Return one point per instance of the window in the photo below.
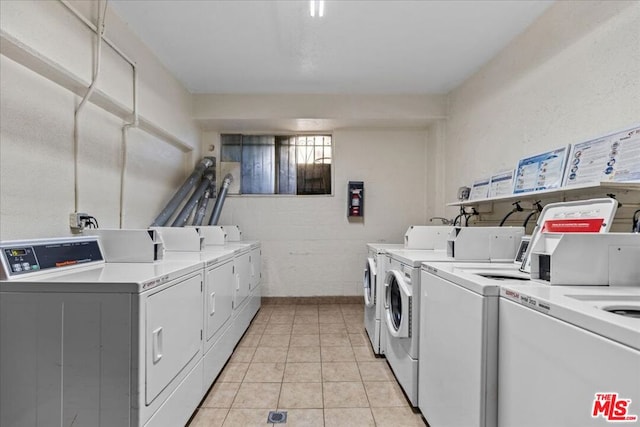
(278, 164)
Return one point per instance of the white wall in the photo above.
(36, 125)
(309, 246)
(572, 76)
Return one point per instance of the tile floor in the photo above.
(313, 361)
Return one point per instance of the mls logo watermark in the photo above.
(612, 408)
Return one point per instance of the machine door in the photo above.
(243, 278)
(173, 332)
(369, 283)
(397, 304)
(220, 283)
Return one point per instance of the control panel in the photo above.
(21, 258)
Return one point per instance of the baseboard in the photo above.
(342, 299)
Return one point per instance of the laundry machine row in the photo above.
(91, 342)
(462, 321)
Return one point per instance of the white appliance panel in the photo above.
(169, 313)
(550, 370)
(242, 266)
(218, 298)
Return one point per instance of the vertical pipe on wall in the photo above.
(125, 132)
(96, 73)
(203, 203)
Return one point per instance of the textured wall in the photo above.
(309, 247)
(36, 127)
(571, 76)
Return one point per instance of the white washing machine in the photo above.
(373, 282)
(569, 356)
(459, 342)
(402, 313)
(84, 342)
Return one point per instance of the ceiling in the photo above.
(357, 47)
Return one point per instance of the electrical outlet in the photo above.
(77, 222)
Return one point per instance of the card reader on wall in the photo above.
(130, 245)
(587, 259)
(427, 237)
(496, 244)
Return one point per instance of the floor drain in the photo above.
(277, 417)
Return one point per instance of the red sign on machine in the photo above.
(574, 225)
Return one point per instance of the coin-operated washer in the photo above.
(93, 343)
(403, 288)
(416, 237)
(459, 320)
(580, 348)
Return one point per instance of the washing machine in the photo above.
(416, 237)
(373, 283)
(84, 342)
(459, 318)
(401, 312)
(569, 356)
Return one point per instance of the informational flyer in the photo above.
(541, 172)
(501, 184)
(479, 189)
(610, 158)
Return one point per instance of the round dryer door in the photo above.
(369, 283)
(397, 304)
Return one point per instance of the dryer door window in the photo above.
(397, 304)
(369, 283)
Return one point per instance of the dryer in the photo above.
(92, 343)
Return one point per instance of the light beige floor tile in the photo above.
(364, 354)
(243, 354)
(354, 328)
(303, 372)
(354, 318)
(257, 328)
(377, 370)
(270, 354)
(221, 395)
(329, 307)
(274, 340)
(301, 395)
(339, 339)
(385, 394)
(257, 396)
(358, 339)
(261, 317)
(264, 373)
(307, 309)
(247, 418)
(312, 340)
(303, 417)
(305, 329)
(233, 372)
(332, 328)
(337, 354)
(305, 319)
(340, 371)
(400, 417)
(284, 310)
(278, 328)
(328, 317)
(348, 417)
(352, 308)
(303, 354)
(280, 318)
(250, 340)
(209, 417)
(344, 395)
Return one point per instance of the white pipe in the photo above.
(92, 87)
(125, 131)
(93, 28)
